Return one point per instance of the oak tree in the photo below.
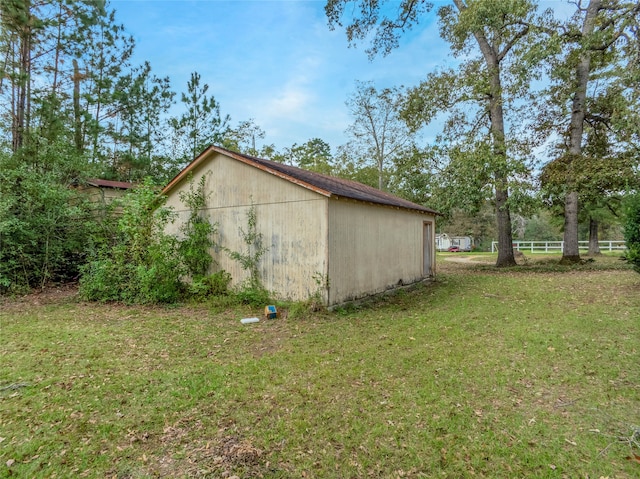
(598, 53)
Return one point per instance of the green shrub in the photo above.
(216, 284)
(252, 293)
(45, 225)
(159, 280)
(97, 281)
(144, 264)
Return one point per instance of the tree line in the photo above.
(539, 117)
(527, 84)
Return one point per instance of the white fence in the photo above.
(558, 246)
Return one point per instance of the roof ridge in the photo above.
(321, 183)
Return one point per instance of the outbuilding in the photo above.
(329, 236)
(104, 191)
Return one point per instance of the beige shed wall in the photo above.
(374, 248)
(292, 220)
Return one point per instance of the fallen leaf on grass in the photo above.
(634, 458)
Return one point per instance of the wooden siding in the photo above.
(373, 248)
(293, 221)
(102, 195)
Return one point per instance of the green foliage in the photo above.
(632, 231)
(351, 166)
(201, 124)
(540, 227)
(213, 285)
(378, 135)
(197, 230)
(485, 145)
(318, 298)
(414, 177)
(243, 137)
(252, 293)
(255, 249)
(478, 223)
(144, 265)
(45, 225)
(383, 31)
(590, 106)
(314, 303)
(314, 155)
(141, 100)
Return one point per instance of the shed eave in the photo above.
(384, 205)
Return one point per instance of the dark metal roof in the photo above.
(323, 184)
(123, 185)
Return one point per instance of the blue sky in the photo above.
(275, 61)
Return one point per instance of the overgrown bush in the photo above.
(632, 231)
(216, 284)
(252, 293)
(45, 225)
(143, 265)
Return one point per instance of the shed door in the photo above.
(427, 249)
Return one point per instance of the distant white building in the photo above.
(444, 242)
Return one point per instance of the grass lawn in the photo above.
(530, 372)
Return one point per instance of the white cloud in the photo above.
(290, 102)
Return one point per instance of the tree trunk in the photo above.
(505, 237)
(56, 61)
(99, 82)
(77, 113)
(503, 214)
(594, 246)
(20, 118)
(571, 253)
